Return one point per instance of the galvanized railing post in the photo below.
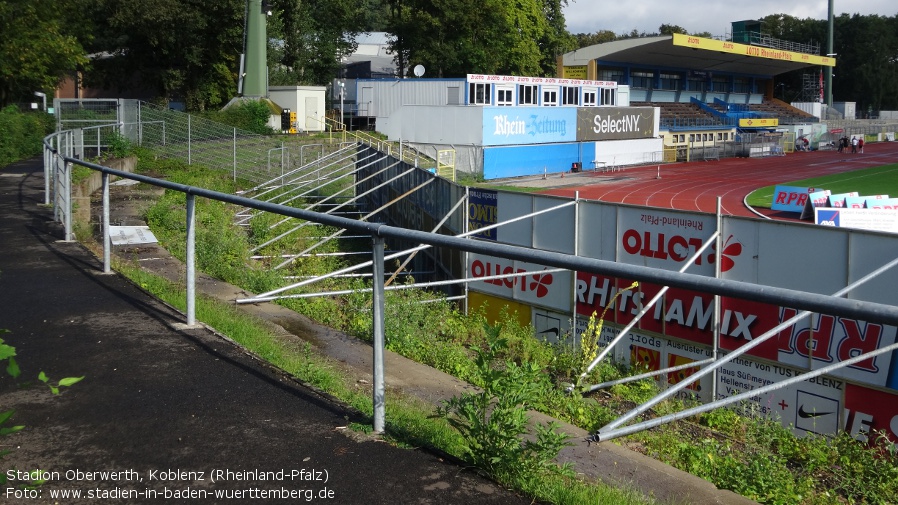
(378, 327)
(191, 259)
(189, 146)
(107, 240)
(67, 181)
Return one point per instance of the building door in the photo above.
(314, 121)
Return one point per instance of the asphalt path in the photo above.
(170, 412)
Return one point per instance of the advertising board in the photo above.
(790, 198)
(503, 126)
(615, 123)
(859, 218)
(482, 211)
(531, 285)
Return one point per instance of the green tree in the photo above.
(666, 29)
(37, 50)
(556, 39)
(591, 39)
(867, 61)
(457, 37)
(179, 49)
(312, 37)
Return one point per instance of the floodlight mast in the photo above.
(828, 71)
(255, 79)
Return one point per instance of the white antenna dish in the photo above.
(419, 70)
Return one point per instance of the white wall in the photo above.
(628, 152)
(307, 101)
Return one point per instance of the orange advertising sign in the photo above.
(753, 51)
(757, 122)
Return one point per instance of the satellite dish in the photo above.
(419, 70)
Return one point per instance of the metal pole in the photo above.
(235, 154)
(107, 240)
(48, 159)
(189, 151)
(466, 228)
(378, 328)
(828, 76)
(715, 350)
(67, 181)
(191, 259)
(139, 125)
(574, 272)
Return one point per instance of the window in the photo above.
(479, 93)
(696, 84)
(589, 97)
(607, 96)
(721, 84)
(611, 74)
(505, 96)
(641, 79)
(670, 81)
(570, 95)
(452, 94)
(550, 97)
(528, 94)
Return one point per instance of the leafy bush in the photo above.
(250, 115)
(494, 421)
(21, 135)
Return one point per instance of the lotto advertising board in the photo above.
(665, 239)
(530, 284)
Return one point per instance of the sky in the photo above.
(713, 16)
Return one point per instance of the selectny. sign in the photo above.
(615, 123)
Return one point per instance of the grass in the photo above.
(869, 181)
(410, 422)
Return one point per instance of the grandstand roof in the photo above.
(695, 53)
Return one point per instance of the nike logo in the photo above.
(805, 414)
(553, 331)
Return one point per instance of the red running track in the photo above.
(695, 186)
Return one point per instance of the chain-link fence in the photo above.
(98, 125)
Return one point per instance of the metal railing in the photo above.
(56, 149)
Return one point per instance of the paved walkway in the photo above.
(160, 403)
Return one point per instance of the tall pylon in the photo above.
(255, 71)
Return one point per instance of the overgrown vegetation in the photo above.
(249, 115)
(21, 135)
(750, 455)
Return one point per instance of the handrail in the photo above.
(865, 311)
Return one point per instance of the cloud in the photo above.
(712, 16)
